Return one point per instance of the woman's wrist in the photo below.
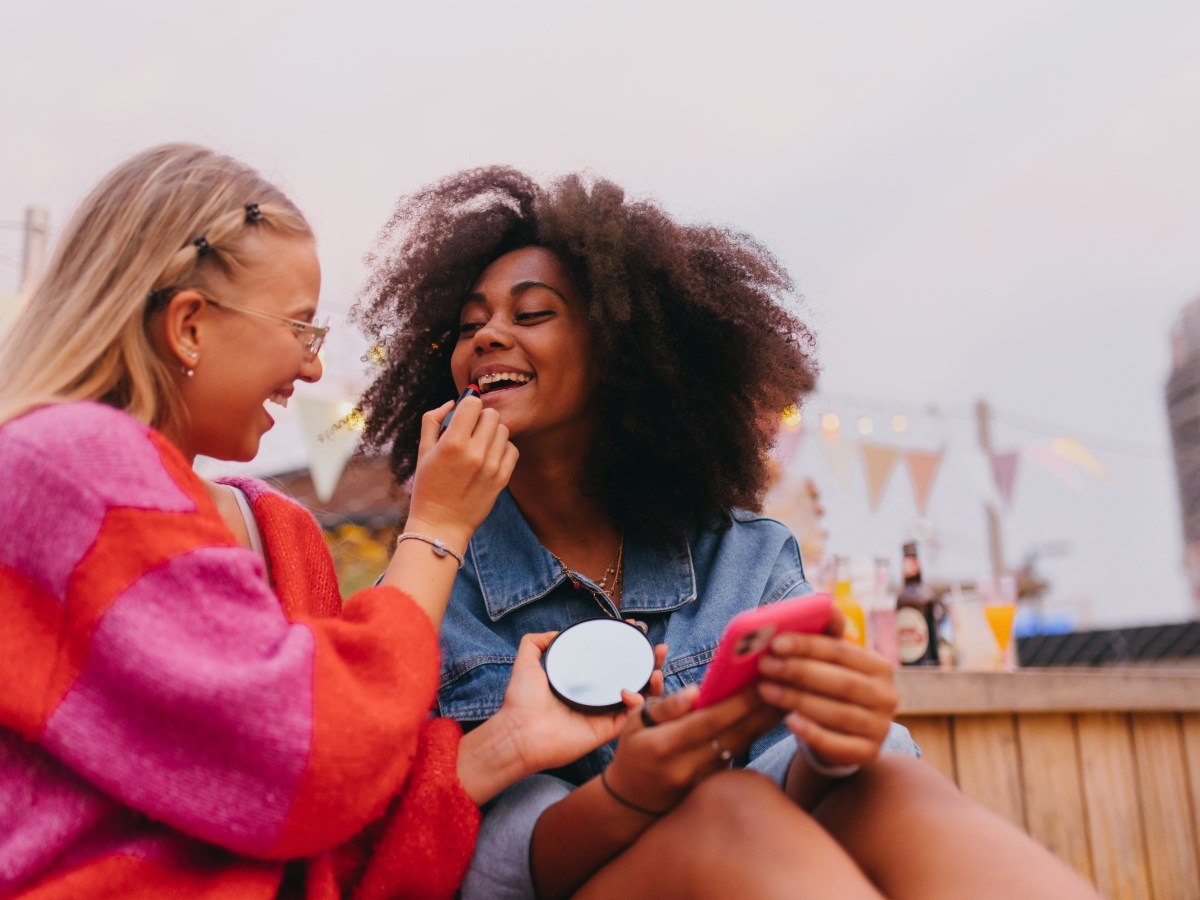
(454, 536)
(489, 759)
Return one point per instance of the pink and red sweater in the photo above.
(169, 725)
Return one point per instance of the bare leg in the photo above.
(916, 835)
(736, 835)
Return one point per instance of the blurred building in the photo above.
(1183, 411)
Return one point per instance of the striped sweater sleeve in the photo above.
(147, 652)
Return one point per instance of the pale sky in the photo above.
(996, 199)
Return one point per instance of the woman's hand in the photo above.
(457, 480)
(548, 732)
(460, 472)
(839, 698)
(655, 767)
(534, 730)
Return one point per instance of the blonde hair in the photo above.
(82, 334)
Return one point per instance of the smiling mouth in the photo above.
(502, 381)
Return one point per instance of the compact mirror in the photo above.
(590, 663)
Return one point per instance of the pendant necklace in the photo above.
(609, 585)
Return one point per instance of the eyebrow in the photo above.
(517, 290)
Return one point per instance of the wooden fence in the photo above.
(1100, 766)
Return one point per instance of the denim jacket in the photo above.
(510, 585)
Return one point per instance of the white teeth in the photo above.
(279, 400)
(517, 377)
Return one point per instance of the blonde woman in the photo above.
(187, 708)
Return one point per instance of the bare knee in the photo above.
(894, 790)
(746, 813)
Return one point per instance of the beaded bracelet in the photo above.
(824, 768)
(439, 546)
(638, 809)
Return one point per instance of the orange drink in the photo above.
(1000, 618)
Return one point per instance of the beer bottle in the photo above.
(916, 617)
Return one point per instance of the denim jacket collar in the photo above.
(514, 569)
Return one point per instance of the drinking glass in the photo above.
(999, 597)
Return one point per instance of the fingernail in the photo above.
(770, 665)
(784, 643)
(770, 691)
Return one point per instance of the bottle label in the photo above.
(912, 634)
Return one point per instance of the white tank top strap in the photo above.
(243, 502)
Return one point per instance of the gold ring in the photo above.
(723, 754)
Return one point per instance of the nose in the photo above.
(492, 335)
(312, 370)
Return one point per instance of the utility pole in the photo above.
(983, 416)
(33, 259)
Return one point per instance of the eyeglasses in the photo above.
(310, 334)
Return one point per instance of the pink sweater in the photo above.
(168, 724)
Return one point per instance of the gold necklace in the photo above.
(611, 592)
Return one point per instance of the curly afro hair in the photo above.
(697, 348)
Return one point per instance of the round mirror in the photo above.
(590, 663)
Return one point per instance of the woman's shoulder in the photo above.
(64, 425)
(99, 450)
(744, 528)
(751, 550)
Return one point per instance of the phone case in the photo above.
(746, 639)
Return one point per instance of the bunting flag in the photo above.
(1042, 453)
(839, 453)
(878, 462)
(923, 467)
(1073, 450)
(1067, 458)
(329, 448)
(1004, 468)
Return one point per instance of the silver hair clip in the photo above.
(253, 213)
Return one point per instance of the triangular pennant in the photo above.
(878, 461)
(329, 448)
(922, 470)
(1072, 449)
(1042, 453)
(839, 454)
(1004, 467)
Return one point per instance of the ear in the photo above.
(183, 325)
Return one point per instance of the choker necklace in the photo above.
(608, 587)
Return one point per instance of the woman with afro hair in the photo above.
(640, 365)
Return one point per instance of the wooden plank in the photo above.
(1113, 814)
(985, 750)
(1191, 753)
(1163, 790)
(1046, 690)
(935, 736)
(1052, 786)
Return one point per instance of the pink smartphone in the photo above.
(747, 637)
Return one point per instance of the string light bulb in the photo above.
(830, 423)
(791, 417)
(352, 416)
(865, 426)
(899, 423)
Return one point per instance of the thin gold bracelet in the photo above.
(439, 546)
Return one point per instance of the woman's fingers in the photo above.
(832, 667)
(833, 747)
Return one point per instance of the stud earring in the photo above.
(190, 369)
